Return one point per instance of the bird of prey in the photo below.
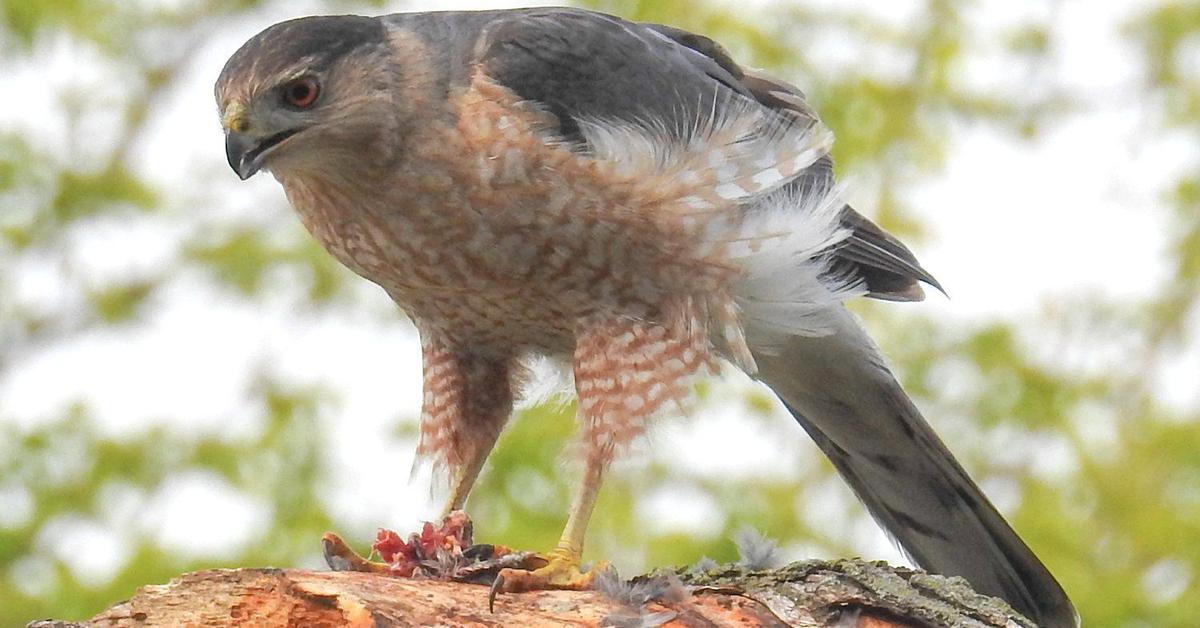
(625, 199)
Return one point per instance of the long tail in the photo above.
(841, 391)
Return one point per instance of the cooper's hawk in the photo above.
(624, 198)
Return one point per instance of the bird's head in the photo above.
(305, 92)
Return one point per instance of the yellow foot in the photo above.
(340, 557)
(557, 570)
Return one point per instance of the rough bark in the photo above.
(842, 593)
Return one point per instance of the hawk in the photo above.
(623, 198)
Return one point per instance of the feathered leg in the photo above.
(626, 370)
(468, 399)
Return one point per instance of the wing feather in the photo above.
(583, 66)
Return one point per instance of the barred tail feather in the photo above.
(839, 389)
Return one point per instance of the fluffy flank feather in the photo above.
(735, 163)
(546, 380)
(738, 149)
(787, 289)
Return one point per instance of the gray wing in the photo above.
(579, 64)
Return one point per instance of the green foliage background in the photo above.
(1121, 527)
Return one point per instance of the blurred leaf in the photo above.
(244, 258)
(119, 304)
(82, 194)
(241, 259)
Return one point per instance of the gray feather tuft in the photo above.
(634, 596)
(756, 551)
(626, 618)
(661, 587)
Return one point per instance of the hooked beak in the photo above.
(246, 154)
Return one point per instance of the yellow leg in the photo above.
(561, 565)
(464, 479)
(571, 542)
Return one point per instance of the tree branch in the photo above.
(810, 593)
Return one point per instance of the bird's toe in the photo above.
(340, 557)
(559, 569)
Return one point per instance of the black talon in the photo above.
(480, 552)
(497, 584)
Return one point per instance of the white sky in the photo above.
(1015, 224)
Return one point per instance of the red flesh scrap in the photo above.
(405, 557)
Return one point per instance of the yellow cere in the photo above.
(235, 118)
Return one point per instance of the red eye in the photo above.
(301, 93)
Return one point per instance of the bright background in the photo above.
(187, 380)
